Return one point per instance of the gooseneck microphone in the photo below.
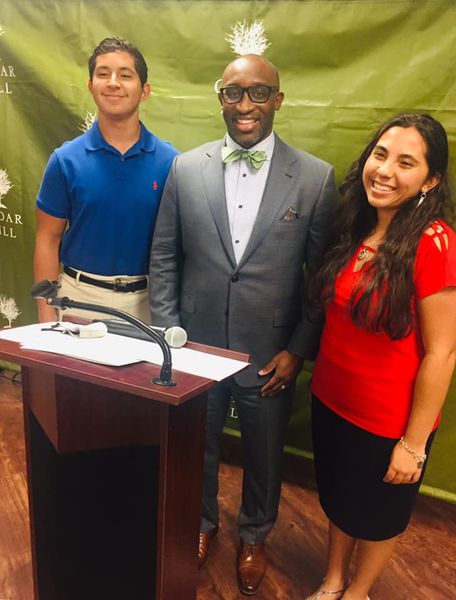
(48, 291)
(175, 336)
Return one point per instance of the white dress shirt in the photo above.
(244, 187)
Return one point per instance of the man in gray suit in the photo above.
(239, 219)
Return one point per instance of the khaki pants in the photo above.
(135, 303)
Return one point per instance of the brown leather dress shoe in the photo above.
(203, 546)
(251, 567)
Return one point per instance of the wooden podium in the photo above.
(114, 468)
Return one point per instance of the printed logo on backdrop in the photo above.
(8, 309)
(232, 412)
(7, 73)
(9, 221)
(87, 121)
(5, 186)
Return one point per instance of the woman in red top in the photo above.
(388, 348)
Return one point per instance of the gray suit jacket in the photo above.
(255, 306)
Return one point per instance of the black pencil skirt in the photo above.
(350, 464)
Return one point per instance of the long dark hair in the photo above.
(388, 277)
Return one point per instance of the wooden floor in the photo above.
(424, 568)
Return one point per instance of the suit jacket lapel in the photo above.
(214, 184)
(278, 185)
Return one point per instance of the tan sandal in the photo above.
(321, 594)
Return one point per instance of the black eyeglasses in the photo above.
(232, 94)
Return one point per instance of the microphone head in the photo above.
(176, 337)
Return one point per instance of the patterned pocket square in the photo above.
(290, 215)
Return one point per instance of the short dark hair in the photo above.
(115, 44)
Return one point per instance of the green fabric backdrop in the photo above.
(346, 65)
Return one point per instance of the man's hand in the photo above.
(285, 367)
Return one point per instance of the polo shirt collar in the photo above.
(95, 141)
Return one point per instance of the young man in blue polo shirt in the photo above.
(98, 201)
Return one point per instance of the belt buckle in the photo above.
(120, 285)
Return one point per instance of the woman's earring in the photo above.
(422, 199)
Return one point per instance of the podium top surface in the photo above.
(135, 379)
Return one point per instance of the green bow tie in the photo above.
(255, 158)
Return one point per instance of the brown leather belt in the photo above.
(118, 284)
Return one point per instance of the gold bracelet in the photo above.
(419, 459)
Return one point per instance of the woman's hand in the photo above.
(403, 467)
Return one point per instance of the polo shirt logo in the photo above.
(155, 186)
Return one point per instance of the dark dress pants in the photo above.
(263, 423)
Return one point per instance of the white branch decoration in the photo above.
(88, 121)
(2, 31)
(9, 309)
(248, 39)
(5, 186)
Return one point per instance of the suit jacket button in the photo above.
(235, 278)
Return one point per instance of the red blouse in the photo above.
(368, 379)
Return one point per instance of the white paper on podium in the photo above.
(117, 350)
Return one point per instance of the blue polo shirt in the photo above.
(110, 199)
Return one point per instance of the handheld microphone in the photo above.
(92, 330)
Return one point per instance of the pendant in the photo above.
(362, 253)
